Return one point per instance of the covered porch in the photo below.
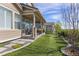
(32, 24)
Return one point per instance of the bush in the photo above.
(16, 46)
(69, 32)
(63, 33)
(57, 28)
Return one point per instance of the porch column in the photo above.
(41, 25)
(34, 30)
(44, 27)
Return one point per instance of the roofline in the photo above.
(30, 7)
(37, 10)
(18, 5)
(42, 16)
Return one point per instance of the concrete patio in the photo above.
(7, 46)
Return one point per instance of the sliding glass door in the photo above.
(5, 18)
(18, 20)
(2, 18)
(8, 19)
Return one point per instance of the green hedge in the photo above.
(63, 33)
(67, 32)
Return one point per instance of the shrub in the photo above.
(49, 32)
(70, 34)
(58, 29)
(63, 33)
(16, 46)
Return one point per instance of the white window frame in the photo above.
(5, 19)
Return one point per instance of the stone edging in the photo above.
(62, 49)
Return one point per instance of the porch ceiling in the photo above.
(29, 15)
(30, 18)
(40, 17)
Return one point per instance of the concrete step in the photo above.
(22, 41)
(26, 40)
(18, 41)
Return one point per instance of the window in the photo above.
(38, 25)
(5, 18)
(18, 19)
(8, 19)
(2, 18)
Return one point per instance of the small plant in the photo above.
(16, 46)
(1, 45)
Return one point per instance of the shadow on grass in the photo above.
(59, 49)
(61, 42)
(44, 50)
(41, 50)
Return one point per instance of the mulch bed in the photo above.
(71, 51)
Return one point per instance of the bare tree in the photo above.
(71, 18)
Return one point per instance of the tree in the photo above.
(71, 18)
(57, 27)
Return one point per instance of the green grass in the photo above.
(1, 45)
(47, 45)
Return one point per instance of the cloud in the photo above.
(47, 6)
(55, 16)
(50, 11)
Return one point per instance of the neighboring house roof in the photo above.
(50, 23)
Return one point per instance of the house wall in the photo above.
(10, 7)
(10, 34)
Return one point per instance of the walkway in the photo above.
(13, 44)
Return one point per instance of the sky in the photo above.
(52, 12)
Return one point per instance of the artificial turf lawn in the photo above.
(47, 45)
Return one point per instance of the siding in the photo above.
(10, 6)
